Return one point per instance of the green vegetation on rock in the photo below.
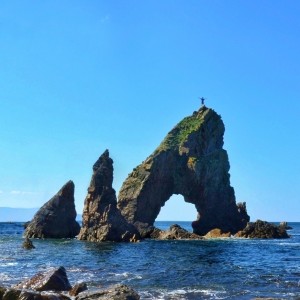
(180, 133)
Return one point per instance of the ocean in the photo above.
(203, 269)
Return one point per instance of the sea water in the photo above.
(201, 269)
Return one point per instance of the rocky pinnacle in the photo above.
(56, 218)
(101, 219)
(190, 161)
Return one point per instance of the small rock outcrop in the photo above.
(285, 225)
(27, 244)
(263, 230)
(175, 232)
(190, 161)
(217, 233)
(101, 219)
(53, 280)
(56, 218)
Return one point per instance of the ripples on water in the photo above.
(211, 269)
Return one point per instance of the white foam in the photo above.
(184, 294)
(124, 274)
(4, 277)
(128, 276)
(8, 264)
(289, 244)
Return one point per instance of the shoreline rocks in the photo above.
(55, 279)
(56, 218)
(54, 284)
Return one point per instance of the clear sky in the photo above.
(77, 77)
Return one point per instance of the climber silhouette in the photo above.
(202, 100)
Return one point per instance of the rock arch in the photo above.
(176, 209)
(190, 161)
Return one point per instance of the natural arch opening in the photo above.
(176, 210)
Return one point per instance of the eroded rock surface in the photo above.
(263, 230)
(190, 161)
(101, 219)
(53, 280)
(217, 233)
(56, 218)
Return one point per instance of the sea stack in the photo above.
(190, 161)
(56, 218)
(101, 219)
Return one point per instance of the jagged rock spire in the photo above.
(101, 219)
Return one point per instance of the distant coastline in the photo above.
(16, 214)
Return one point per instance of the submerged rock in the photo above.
(190, 161)
(56, 218)
(52, 280)
(101, 219)
(263, 230)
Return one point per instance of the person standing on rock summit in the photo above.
(202, 100)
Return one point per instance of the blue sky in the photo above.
(78, 77)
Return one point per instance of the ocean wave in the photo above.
(184, 294)
(8, 264)
(289, 244)
(4, 277)
(128, 276)
(78, 270)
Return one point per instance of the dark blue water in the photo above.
(207, 269)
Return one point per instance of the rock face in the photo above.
(101, 219)
(56, 218)
(190, 161)
(263, 230)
